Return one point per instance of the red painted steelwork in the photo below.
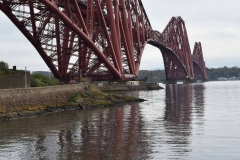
(101, 39)
(175, 37)
(174, 68)
(199, 63)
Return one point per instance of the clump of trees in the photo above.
(3, 68)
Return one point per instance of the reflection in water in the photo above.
(199, 99)
(198, 107)
(178, 118)
(138, 131)
(181, 102)
(114, 133)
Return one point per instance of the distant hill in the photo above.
(44, 73)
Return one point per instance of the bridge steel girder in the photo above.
(199, 63)
(174, 68)
(101, 39)
(98, 38)
(198, 72)
(5, 8)
(56, 28)
(175, 37)
(174, 45)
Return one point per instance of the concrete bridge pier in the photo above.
(170, 82)
(188, 81)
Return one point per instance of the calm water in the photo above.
(197, 121)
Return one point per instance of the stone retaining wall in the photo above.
(14, 81)
(39, 98)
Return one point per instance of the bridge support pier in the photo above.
(170, 82)
(189, 81)
(186, 81)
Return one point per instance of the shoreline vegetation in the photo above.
(91, 98)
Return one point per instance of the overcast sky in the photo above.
(214, 23)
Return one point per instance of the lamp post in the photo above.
(80, 75)
(25, 77)
(49, 73)
(151, 76)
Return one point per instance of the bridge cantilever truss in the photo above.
(199, 63)
(102, 39)
(175, 48)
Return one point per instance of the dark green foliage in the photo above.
(38, 80)
(3, 65)
(4, 68)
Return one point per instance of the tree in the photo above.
(3, 66)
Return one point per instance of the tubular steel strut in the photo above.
(102, 39)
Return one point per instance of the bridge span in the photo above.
(102, 39)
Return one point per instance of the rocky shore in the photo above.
(91, 98)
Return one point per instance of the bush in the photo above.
(38, 80)
(3, 67)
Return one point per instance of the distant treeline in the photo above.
(157, 76)
(224, 72)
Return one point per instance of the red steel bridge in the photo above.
(102, 39)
